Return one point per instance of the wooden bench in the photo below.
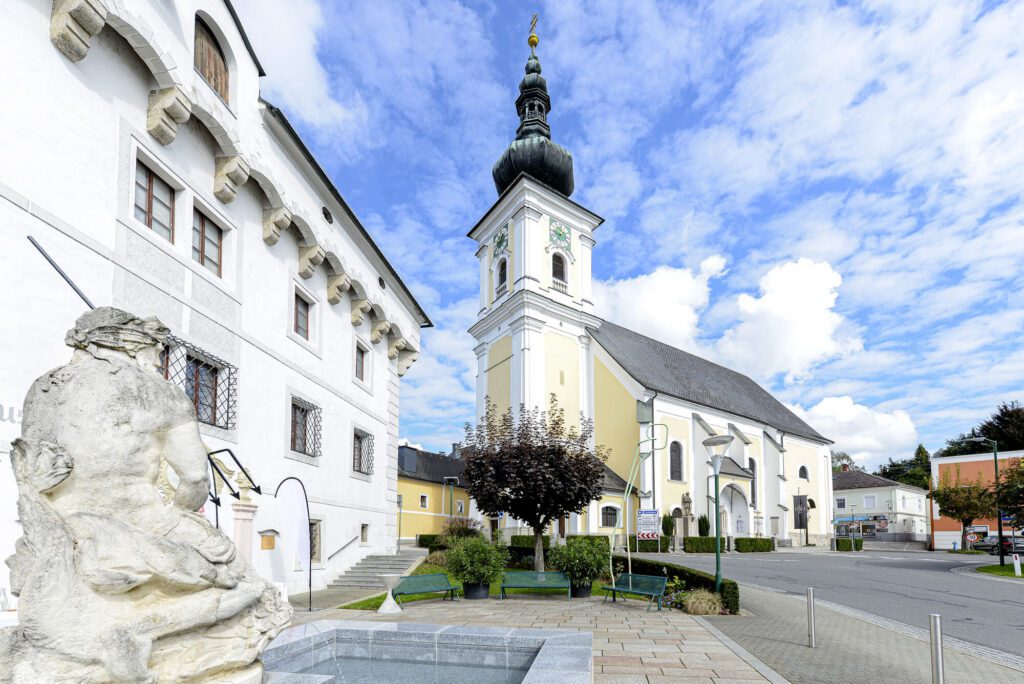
(527, 579)
(640, 585)
(425, 584)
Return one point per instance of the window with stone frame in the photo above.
(675, 461)
(210, 61)
(424, 501)
(154, 202)
(360, 370)
(502, 277)
(207, 241)
(609, 516)
(208, 381)
(362, 452)
(316, 541)
(558, 268)
(305, 427)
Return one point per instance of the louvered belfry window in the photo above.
(210, 61)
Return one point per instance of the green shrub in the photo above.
(702, 544)
(475, 560)
(456, 528)
(518, 553)
(668, 525)
(703, 526)
(526, 541)
(581, 561)
(702, 602)
(694, 579)
(600, 540)
(844, 544)
(425, 541)
(751, 544)
(438, 558)
(524, 562)
(650, 545)
(435, 548)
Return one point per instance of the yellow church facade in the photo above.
(538, 334)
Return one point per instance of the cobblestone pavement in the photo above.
(631, 646)
(850, 650)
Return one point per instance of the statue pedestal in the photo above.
(390, 605)
(244, 513)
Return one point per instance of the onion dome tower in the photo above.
(533, 152)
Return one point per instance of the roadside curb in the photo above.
(748, 657)
(972, 570)
(991, 655)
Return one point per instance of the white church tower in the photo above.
(535, 285)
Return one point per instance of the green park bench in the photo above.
(535, 580)
(640, 585)
(425, 584)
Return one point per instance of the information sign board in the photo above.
(648, 524)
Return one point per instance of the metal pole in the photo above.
(718, 540)
(935, 625)
(812, 641)
(999, 512)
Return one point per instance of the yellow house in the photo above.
(538, 334)
(429, 492)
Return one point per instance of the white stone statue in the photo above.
(118, 578)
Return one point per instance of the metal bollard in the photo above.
(938, 674)
(812, 641)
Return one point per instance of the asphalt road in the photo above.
(905, 587)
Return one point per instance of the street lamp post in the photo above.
(999, 511)
(717, 446)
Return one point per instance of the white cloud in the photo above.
(869, 435)
(285, 36)
(663, 304)
(792, 326)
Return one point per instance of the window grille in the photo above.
(362, 452)
(609, 516)
(305, 433)
(210, 383)
(675, 461)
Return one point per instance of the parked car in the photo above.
(1010, 545)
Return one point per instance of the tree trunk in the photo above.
(538, 550)
(963, 533)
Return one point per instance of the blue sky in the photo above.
(825, 197)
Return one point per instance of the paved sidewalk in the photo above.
(331, 597)
(630, 645)
(850, 650)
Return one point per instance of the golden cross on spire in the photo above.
(533, 32)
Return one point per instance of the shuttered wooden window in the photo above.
(154, 202)
(209, 60)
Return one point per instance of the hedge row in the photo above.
(527, 541)
(425, 541)
(694, 579)
(595, 539)
(702, 544)
(752, 544)
(844, 544)
(650, 545)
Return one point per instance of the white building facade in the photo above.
(875, 507)
(138, 153)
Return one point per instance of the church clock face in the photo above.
(501, 240)
(560, 235)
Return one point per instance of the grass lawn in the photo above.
(1000, 570)
(374, 602)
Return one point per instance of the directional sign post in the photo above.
(648, 526)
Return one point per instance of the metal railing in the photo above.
(343, 547)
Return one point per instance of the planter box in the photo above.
(581, 591)
(475, 591)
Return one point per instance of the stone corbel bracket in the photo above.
(360, 307)
(380, 329)
(405, 361)
(310, 256)
(337, 284)
(167, 108)
(275, 219)
(397, 345)
(73, 23)
(231, 173)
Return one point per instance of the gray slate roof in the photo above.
(427, 466)
(668, 370)
(612, 481)
(855, 479)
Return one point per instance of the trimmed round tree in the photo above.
(534, 468)
(964, 501)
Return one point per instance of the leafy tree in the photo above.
(703, 526)
(536, 469)
(964, 501)
(840, 459)
(1011, 491)
(1006, 426)
(914, 471)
